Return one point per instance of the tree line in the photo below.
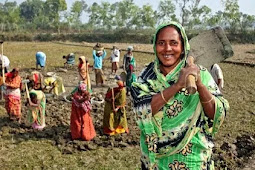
(53, 16)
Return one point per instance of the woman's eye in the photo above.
(174, 43)
(160, 43)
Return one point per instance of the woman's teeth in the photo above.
(168, 56)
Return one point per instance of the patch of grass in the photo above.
(42, 155)
(22, 54)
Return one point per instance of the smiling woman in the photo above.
(169, 48)
(176, 127)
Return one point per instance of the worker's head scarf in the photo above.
(83, 64)
(186, 47)
(82, 87)
(119, 81)
(130, 48)
(83, 59)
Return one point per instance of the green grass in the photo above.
(22, 54)
(42, 155)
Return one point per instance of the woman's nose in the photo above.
(168, 47)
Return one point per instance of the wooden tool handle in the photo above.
(3, 74)
(27, 92)
(191, 80)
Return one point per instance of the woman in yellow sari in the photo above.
(115, 119)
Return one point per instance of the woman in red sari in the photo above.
(12, 95)
(81, 122)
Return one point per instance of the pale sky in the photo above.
(246, 6)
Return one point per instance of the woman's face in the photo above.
(15, 73)
(80, 60)
(169, 47)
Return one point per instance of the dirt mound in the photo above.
(57, 129)
(237, 153)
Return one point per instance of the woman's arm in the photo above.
(81, 99)
(206, 99)
(104, 54)
(160, 99)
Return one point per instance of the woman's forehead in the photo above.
(169, 33)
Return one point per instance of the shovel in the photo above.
(207, 48)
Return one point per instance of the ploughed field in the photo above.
(24, 148)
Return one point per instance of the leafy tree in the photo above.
(199, 15)
(94, 15)
(105, 15)
(166, 11)
(147, 16)
(10, 18)
(246, 22)
(102, 16)
(53, 9)
(77, 8)
(73, 18)
(216, 20)
(184, 11)
(125, 12)
(31, 9)
(192, 14)
(136, 18)
(231, 15)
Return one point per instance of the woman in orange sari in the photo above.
(84, 72)
(115, 119)
(81, 122)
(12, 95)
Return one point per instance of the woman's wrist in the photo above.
(200, 86)
(177, 86)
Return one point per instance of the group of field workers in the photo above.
(114, 120)
(177, 127)
(11, 85)
(36, 84)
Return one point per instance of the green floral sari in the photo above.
(37, 114)
(180, 135)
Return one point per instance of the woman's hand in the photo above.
(185, 72)
(116, 109)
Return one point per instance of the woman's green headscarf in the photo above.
(185, 43)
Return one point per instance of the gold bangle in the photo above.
(162, 96)
(208, 100)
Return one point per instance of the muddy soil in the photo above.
(58, 119)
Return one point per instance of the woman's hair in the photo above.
(33, 95)
(15, 70)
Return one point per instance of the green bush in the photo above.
(16, 37)
(121, 35)
(44, 37)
